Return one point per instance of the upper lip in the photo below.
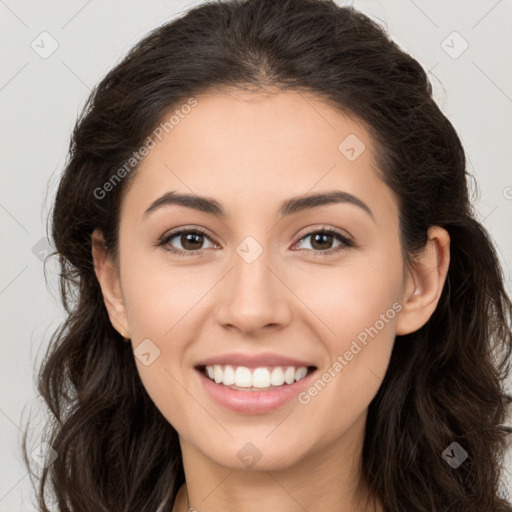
(253, 360)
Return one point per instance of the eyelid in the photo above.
(346, 240)
(325, 229)
(169, 235)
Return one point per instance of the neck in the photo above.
(325, 480)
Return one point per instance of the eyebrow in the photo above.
(289, 207)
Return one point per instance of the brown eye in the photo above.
(184, 241)
(191, 241)
(322, 241)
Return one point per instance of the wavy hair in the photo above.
(444, 384)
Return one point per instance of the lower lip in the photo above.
(253, 402)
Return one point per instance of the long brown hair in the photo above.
(116, 452)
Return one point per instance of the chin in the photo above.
(256, 456)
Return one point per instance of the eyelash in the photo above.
(345, 242)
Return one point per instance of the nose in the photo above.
(254, 296)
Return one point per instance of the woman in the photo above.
(278, 296)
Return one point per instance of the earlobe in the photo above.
(424, 282)
(108, 277)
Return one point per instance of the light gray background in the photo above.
(40, 99)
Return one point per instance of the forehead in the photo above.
(258, 149)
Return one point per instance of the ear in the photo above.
(107, 274)
(424, 282)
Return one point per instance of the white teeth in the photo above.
(300, 373)
(243, 377)
(261, 378)
(277, 376)
(229, 376)
(217, 373)
(289, 375)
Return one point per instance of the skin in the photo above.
(250, 152)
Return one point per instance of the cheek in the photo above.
(359, 354)
(157, 297)
(352, 296)
(363, 305)
(358, 306)
(158, 304)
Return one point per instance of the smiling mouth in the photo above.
(263, 378)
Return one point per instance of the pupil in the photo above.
(322, 241)
(322, 236)
(189, 239)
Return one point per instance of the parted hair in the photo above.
(445, 381)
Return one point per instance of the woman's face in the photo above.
(265, 287)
